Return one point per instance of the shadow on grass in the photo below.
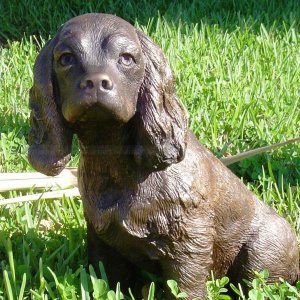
(284, 169)
(43, 18)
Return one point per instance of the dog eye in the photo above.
(66, 59)
(126, 59)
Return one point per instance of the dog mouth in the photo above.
(95, 113)
(106, 110)
(83, 112)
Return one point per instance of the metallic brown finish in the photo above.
(153, 197)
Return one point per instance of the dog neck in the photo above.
(103, 139)
(106, 146)
(107, 170)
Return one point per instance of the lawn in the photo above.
(237, 70)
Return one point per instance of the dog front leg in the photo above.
(117, 268)
(190, 274)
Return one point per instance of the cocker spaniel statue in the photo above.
(154, 198)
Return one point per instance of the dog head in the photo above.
(99, 68)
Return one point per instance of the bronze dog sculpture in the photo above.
(153, 196)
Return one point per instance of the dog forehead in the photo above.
(89, 26)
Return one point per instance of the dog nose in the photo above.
(101, 81)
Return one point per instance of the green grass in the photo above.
(237, 70)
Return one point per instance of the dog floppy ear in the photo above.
(50, 138)
(161, 119)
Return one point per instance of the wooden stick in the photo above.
(235, 158)
(16, 181)
(47, 195)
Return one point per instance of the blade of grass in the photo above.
(84, 284)
(151, 291)
(7, 284)
(11, 261)
(75, 211)
(22, 289)
(103, 273)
